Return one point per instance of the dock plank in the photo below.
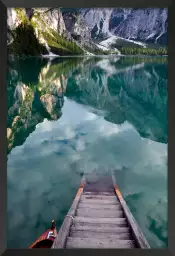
(99, 206)
(99, 213)
(100, 225)
(111, 230)
(100, 193)
(100, 197)
(75, 242)
(101, 235)
(99, 218)
(91, 220)
(99, 201)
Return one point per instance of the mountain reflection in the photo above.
(133, 91)
(35, 90)
(120, 89)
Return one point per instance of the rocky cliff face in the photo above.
(77, 28)
(146, 25)
(44, 28)
(97, 19)
(85, 28)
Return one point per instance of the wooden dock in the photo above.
(99, 218)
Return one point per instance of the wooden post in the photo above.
(63, 233)
(136, 231)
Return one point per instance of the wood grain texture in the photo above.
(99, 206)
(76, 242)
(112, 230)
(102, 197)
(113, 221)
(136, 231)
(99, 213)
(101, 219)
(63, 233)
(103, 235)
(99, 193)
(100, 225)
(98, 201)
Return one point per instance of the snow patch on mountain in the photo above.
(108, 43)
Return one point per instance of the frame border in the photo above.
(3, 141)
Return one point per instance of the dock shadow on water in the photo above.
(70, 116)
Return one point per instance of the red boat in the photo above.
(46, 239)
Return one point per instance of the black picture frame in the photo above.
(3, 138)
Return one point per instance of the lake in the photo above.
(70, 116)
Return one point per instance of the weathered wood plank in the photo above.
(100, 193)
(63, 233)
(98, 218)
(136, 231)
(99, 225)
(99, 206)
(121, 221)
(99, 213)
(89, 234)
(75, 242)
(100, 197)
(111, 230)
(99, 201)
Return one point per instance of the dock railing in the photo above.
(136, 231)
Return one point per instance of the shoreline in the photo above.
(51, 57)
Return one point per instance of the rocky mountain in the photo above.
(39, 31)
(67, 31)
(145, 25)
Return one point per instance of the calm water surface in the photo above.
(71, 116)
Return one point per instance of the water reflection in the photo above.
(73, 115)
(118, 88)
(135, 93)
(35, 90)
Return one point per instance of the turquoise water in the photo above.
(70, 116)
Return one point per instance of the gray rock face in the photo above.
(118, 15)
(78, 29)
(55, 20)
(12, 21)
(76, 26)
(148, 25)
(97, 19)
